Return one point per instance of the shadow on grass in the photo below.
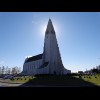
(53, 80)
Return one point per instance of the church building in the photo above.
(48, 62)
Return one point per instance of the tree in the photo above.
(0, 70)
(16, 70)
(99, 71)
(8, 71)
(3, 69)
(94, 70)
(19, 70)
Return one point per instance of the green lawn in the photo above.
(22, 79)
(60, 80)
(93, 79)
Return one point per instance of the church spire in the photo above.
(51, 53)
(50, 28)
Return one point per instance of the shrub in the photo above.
(32, 76)
(25, 78)
(11, 79)
(95, 77)
(73, 77)
(80, 76)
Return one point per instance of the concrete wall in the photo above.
(66, 71)
(52, 54)
(31, 68)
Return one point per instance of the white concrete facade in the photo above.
(50, 61)
(31, 68)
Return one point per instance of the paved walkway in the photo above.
(7, 83)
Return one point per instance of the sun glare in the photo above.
(44, 29)
(45, 26)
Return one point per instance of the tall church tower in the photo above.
(51, 53)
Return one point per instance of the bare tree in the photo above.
(3, 69)
(9, 71)
(6, 70)
(14, 70)
(0, 70)
(19, 70)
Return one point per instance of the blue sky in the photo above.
(78, 36)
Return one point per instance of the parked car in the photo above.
(8, 77)
(1, 76)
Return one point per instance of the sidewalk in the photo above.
(8, 81)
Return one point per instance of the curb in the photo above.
(10, 82)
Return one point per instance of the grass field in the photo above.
(65, 80)
(22, 79)
(95, 79)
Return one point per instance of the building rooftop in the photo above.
(34, 58)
